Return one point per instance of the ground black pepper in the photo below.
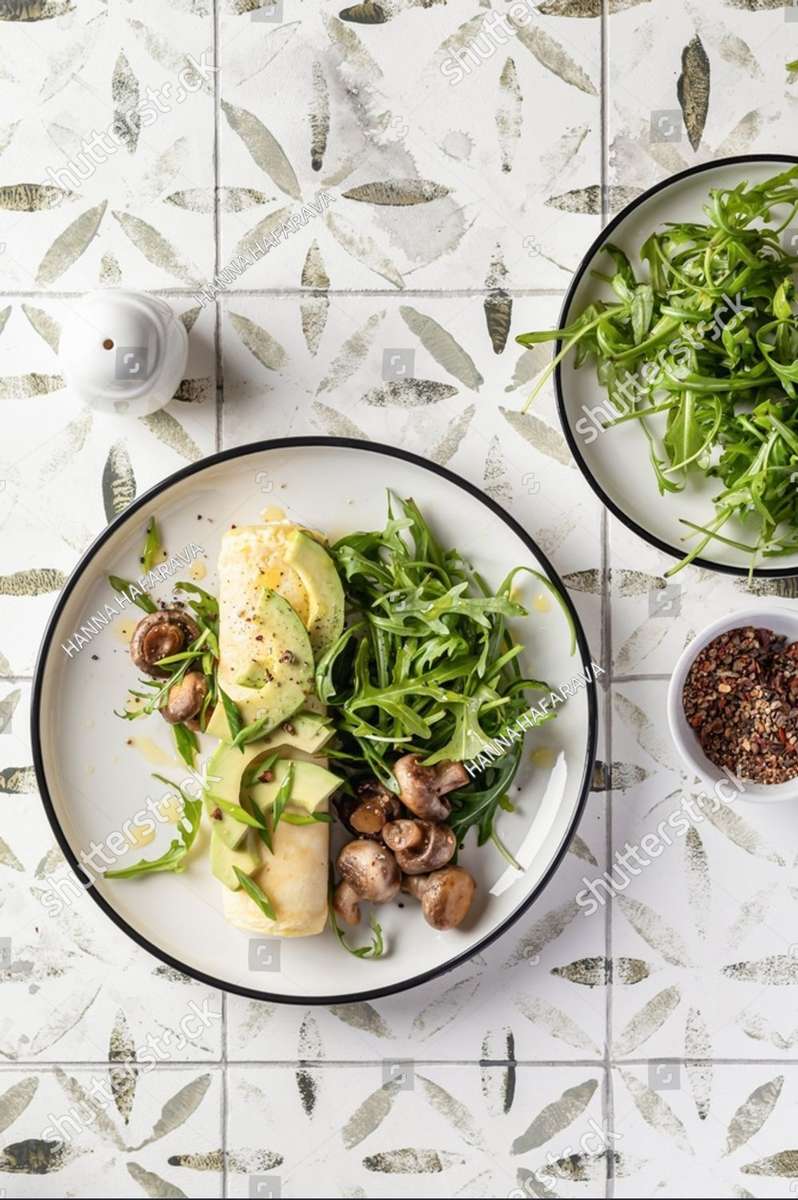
(741, 699)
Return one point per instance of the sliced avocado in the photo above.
(325, 591)
(226, 771)
(312, 785)
(304, 730)
(224, 860)
(286, 658)
(255, 676)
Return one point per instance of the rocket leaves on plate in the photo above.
(174, 859)
(429, 664)
(703, 355)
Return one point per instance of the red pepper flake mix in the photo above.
(741, 699)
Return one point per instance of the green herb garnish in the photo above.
(283, 795)
(152, 545)
(186, 743)
(237, 812)
(174, 859)
(257, 894)
(703, 353)
(234, 722)
(124, 587)
(294, 818)
(376, 947)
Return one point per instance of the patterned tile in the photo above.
(111, 1132)
(372, 115)
(454, 1130)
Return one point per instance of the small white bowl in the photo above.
(780, 620)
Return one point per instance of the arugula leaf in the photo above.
(152, 546)
(124, 588)
(283, 795)
(174, 859)
(375, 949)
(236, 812)
(257, 894)
(186, 743)
(234, 722)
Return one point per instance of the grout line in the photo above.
(605, 1063)
(217, 103)
(289, 292)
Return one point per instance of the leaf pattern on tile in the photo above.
(556, 1023)
(596, 972)
(453, 1111)
(509, 114)
(260, 343)
(539, 434)
(319, 116)
(352, 353)
(397, 192)
(585, 8)
(336, 424)
(741, 833)
(528, 366)
(36, 581)
(244, 60)
(70, 245)
(110, 271)
(698, 880)
(177, 1109)
(498, 1082)
(7, 135)
(251, 244)
(81, 1099)
(451, 441)
(15, 1099)
(5, 313)
(366, 13)
(17, 781)
(45, 325)
(369, 1115)
(757, 1027)
(67, 1016)
(118, 481)
(543, 931)
(412, 1161)
(656, 1112)
(742, 137)
(775, 970)
(645, 1023)
(653, 928)
(153, 1185)
(363, 249)
(645, 733)
(157, 249)
(783, 1165)
(314, 309)
(264, 148)
(8, 707)
(555, 1117)
(362, 1016)
(753, 1113)
(25, 387)
(498, 303)
(496, 477)
(168, 430)
(444, 1008)
(8, 858)
(126, 95)
(693, 89)
(580, 848)
(698, 1050)
(552, 55)
(124, 1077)
(35, 1156)
(409, 393)
(438, 342)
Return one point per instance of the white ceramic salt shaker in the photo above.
(123, 352)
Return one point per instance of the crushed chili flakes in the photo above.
(741, 699)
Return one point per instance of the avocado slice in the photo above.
(309, 731)
(226, 774)
(224, 860)
(325, 591)
(284, 661)
(312, 785)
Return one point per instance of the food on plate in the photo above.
(740, 699)
(355, 679)
(702, 353)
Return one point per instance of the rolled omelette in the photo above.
(295, 876)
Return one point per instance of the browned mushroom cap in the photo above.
(185, 698)
(345, 903)
(421, 788)
(370, 870)
(159, 635)
(419, 846)
(445, 895)
(376, 806)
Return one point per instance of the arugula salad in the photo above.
(701, 353)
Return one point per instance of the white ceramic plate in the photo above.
(615, 462)
(92, 782)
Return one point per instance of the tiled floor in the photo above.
(446, 169)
